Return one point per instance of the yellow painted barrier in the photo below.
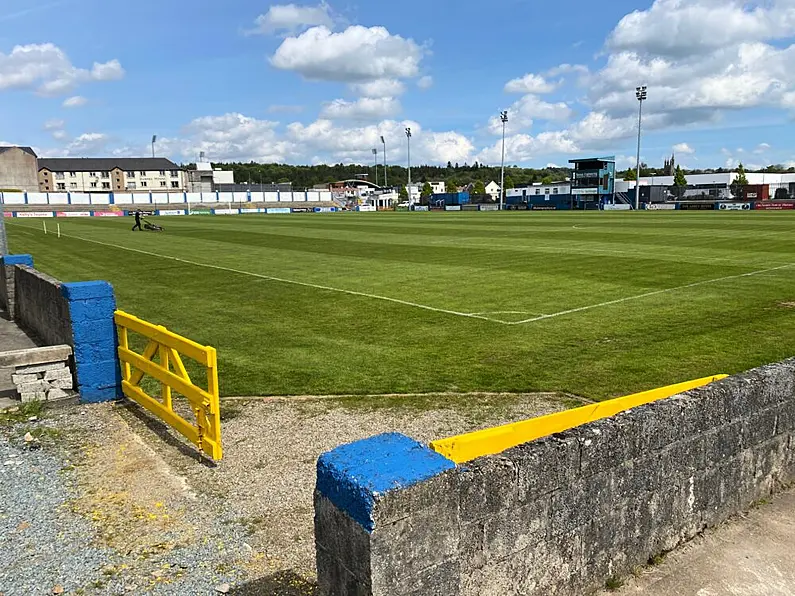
(464, 448)
(170, 371)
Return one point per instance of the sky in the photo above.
(310, 82)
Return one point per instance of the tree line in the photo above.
(452, 174)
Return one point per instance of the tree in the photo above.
(451, 185)
(630, 175)
(740, 182)
(402, 193)
(449, 166)
(547, 180)
(426, 190)
(479, 188)
(680, 182)
(508, 183)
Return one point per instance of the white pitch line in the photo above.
(647, 294)
(291, 281)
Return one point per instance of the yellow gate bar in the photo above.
(464, 448)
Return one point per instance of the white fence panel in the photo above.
(194, 197)
(122, 198)
(257, 196)
(271, 197)
(142, 199)
(14, 198)
(100, 199)
(313, 197)
(37, 198)
(325, 196)
(209, 197)
(176, 197)
(241, 197)
(79, 198)
(226, 197)
(58, 198)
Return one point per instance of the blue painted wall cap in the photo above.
(355, 475)
(17, 260)
(86, 290)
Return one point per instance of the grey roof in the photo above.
(106, 164)
(27, 150)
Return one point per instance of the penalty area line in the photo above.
(291, 281)
(648, 294)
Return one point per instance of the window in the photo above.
(131, 186)
(554, 191)
(46, 188)
(174, 184)
(538, 191)
(546, 191)
(93, 185)
(93, 174)
(174, 174)
(143, 184)
(59, 175)
(61, 186)
(162, 184)
(73, 185)
(106, 174)
(131, 174)
(73, 174)
(106, 185)
(162, 172)
(142, 173)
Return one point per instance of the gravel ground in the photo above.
(112, 503)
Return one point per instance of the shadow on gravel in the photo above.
(284, 583)
(162, 430)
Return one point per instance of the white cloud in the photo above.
(762, 148)
(75, 102)
(683, 148)
(530, 83)
(364, 108)
(425, 82)
(357, 54)
(48, 70)
(109, 71)
(523, 147)
(285, 109)
(290, 18)
(523, 112)
(56, 129)
(87, 145)
(379, 88)
(54, 124)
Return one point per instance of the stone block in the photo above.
(33, 387)
(684, 457)
(341, 536)
(56, 393)
(67, 383)
(58, 373)
(442, 579)
(724, 442)
(760, 427)
(37, 396)
(486, 486)
(335, 580)
(546, 465)
(41, 368)
(513, 529)
(34, 356)
(22, 379)
(607, 443)
(575, 506)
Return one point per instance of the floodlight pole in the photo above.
(386, 182)
(375, 159)
(408, 140)
(504, 119)
(154, 140)
(640, 93)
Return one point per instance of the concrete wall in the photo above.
(18, 170)
(7, 286)
(76, 314)
(559, 515)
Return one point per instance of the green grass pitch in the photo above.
(596, 304)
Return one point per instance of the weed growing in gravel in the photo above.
(614, 583)
(23, 413)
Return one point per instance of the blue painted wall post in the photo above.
(91, 307)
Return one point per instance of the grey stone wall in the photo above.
(561, 515)
(7, 288)
(41, 306)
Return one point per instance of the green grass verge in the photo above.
(275, 337)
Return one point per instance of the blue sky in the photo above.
(313, 82)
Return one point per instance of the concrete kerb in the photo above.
(558, 515)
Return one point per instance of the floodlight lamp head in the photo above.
(408, 132)
(504, 116)
(382, 140)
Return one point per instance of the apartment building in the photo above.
(129, 174)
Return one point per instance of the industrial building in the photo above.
(130, 174)
(715, 186)
(18, 169)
